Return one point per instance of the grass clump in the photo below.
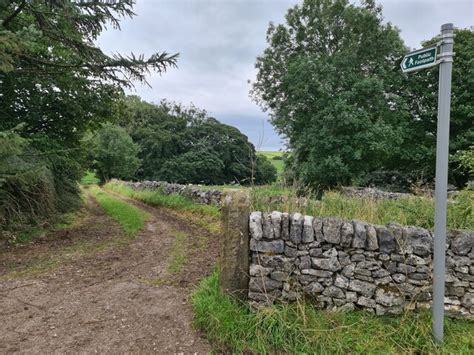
(90, 178)
(301, 328)
(131, 218)
(415, 210)
(207, 216)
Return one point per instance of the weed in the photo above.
(177, 253)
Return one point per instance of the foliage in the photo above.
(55, 84)
(90, 178)
(276, 158)
(185, 145)
(114, 153)
(300, 328)
(265, 171)
(331, 80)
(131, 218)
(325, 77)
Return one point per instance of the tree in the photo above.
(115, 154)
(185, 145)
(326, 79)
(265, 171)
(420, 90)
(56, 84)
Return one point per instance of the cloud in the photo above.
(219, 40)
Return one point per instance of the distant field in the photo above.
(277, 163)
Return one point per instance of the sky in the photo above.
(218, 42)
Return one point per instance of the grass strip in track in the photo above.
(131, 218)
(206, 216)
(300, 328)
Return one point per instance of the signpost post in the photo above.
(420, 59)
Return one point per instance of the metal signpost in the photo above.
(418, 60)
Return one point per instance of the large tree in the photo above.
(185, 145)
(326, 79)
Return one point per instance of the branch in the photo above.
(14, 14)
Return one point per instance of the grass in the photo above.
(131, 218)
(207, 216)
(277, 163)
(416, 210)
(90, 179)
(178, 255)
(300, 328)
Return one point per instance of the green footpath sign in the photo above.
(422, 58)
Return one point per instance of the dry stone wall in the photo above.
(352, 264)
(198, 195)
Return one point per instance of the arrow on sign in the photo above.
(423, 58)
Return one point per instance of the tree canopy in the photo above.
(185, 145)
(330, 79)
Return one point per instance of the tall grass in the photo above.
(415, 210)
(131, 218)
(300, 328)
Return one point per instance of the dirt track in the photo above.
(113, 300)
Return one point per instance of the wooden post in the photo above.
(234, 253)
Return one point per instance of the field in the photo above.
(277, 163)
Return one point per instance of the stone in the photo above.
(418, 276)
(357, 257)
(285, 226)
(415, 260)
(360, 235)
(351, 296)
(397, 230)
(318, 229)
(313, 287)
(347, 233)
(381, 310)
(296, 228)
(399, 258)
(364, 288)
(319, 273)
(331, 264)
(255, 225)
(261, 297)
(462, 243)
(341, 282)
(331, 253)
(380, 273)
(455, 291)
(385, 239)
(275, 247)
(305, 262)
(264, 284)
(371, 240)
(348, 270)
(366, 302)
(383, 280)
(405, 269)
(332, 230)
(399, 278)
(468, 300)
(315, 252)
(334, 292)
(258, 270)
(291, 252)
(279, 275)
(418, 241)
(276, 224)
(267, 226)
(308, 232)
(388, 298)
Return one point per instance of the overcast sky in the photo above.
(218, 41)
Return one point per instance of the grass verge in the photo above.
(301, 328)
(131, 218)
(206, 216)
